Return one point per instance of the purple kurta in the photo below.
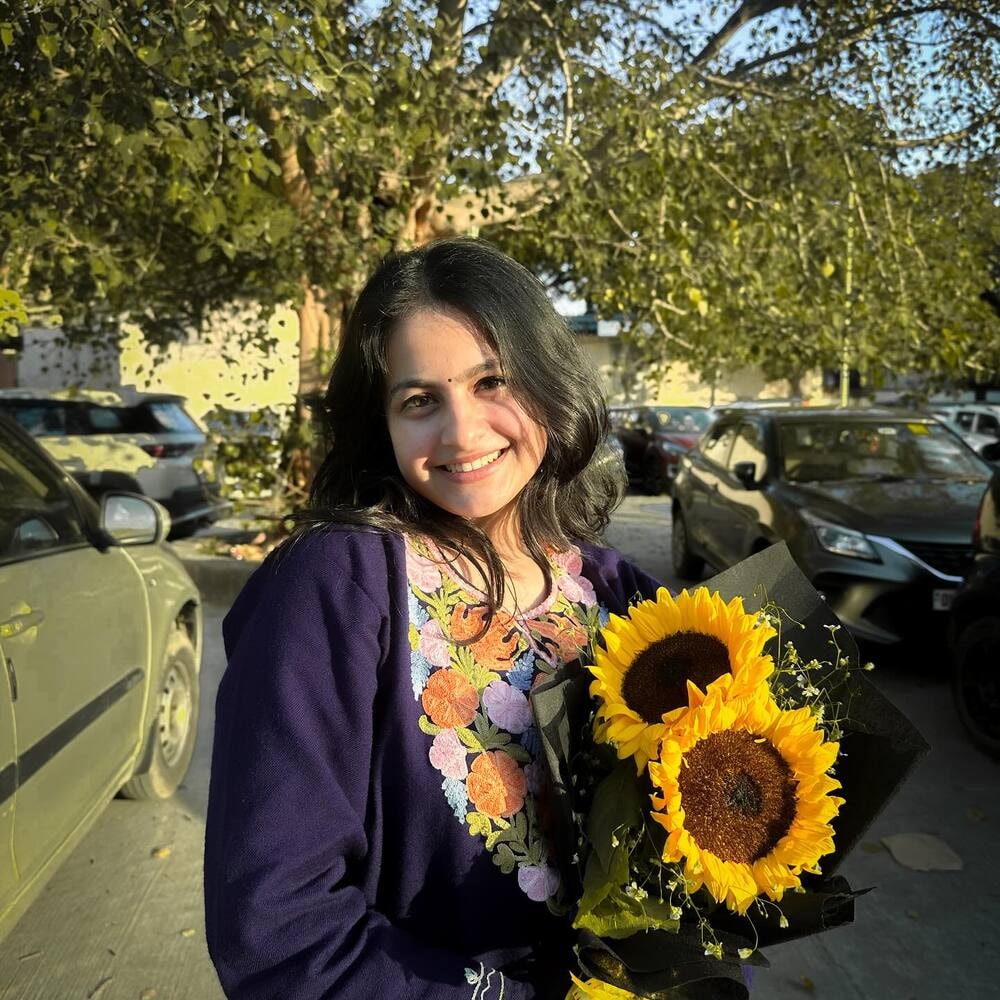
(334, 867)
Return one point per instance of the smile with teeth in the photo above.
(478, 463)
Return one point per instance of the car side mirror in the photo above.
(131, 519)
(746, 473)
(991, 452)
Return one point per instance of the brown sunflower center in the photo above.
(656, 682)
(738, 795)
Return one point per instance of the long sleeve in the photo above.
(286, 845)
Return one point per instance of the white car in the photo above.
(137, 442)
(100, 652)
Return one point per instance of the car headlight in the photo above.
(840, 540)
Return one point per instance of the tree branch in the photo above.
(747, 11)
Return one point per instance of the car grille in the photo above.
(953, 560)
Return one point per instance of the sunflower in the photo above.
(744, 795)
(665, 657)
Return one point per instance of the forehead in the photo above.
(436, 344)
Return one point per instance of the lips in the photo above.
(475, 464)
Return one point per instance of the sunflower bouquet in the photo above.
(708, 772)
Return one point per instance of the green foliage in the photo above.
(689, 165)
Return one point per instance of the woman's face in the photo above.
(461, 439)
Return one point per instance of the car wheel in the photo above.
(174, 728)
(686, 564)
(976, 683)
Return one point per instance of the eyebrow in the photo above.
(471, 373)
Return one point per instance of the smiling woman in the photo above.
(377, 822)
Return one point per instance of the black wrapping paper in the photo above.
(878, 750)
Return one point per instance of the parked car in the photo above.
(978, 427)
(137, 442)
(976, 418)
(100, 645)
(876, 507)
(975, 629)
(653, 440)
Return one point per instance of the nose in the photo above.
(462, 424)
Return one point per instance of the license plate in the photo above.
(941, 599)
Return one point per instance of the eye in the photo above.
(491, 383)
(419, 402)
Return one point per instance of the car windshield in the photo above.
(824, 450)
(681, 420)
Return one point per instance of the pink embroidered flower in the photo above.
(578, 590)
(538, 882)
(422, 572)
(507, 707)
(448, 755)
(433, 644)
(570, 561)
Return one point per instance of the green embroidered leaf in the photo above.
(464, 662)
(428, 727)
(468, 737)
(518, 753)
(479, 823)
(504, 859)
(491, 737)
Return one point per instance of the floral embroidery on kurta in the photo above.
(475, 700)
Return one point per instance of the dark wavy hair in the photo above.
(575, 488)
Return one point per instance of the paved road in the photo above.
(117, 923)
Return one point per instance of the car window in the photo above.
(716, 446)
(814, 451)
(105, 420)
(36, 511)
(988, 424)
(40, 419)
(964, 419)
(171, 417)
(749, 447)
(681, 420)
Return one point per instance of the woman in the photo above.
(377, 823)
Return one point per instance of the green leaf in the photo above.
(48, 45)
(616, 807)
(6, 35)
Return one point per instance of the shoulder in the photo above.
(367, 558)
(616, 579)
(323, 572)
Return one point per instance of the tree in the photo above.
(159, 160)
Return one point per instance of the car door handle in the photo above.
(19, 624)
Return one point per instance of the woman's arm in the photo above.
(286, 848)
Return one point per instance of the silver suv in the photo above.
(137, 442)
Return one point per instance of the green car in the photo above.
(100, 648)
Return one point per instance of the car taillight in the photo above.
(167, 450)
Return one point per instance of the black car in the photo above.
(653, 440)
(975, 629)
(877, 508)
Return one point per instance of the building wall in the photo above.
(626, 382)
(48, 361)
(220, 368)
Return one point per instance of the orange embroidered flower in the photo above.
(450, 699)
(496, 784)
(496, 650)
(564, 634)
